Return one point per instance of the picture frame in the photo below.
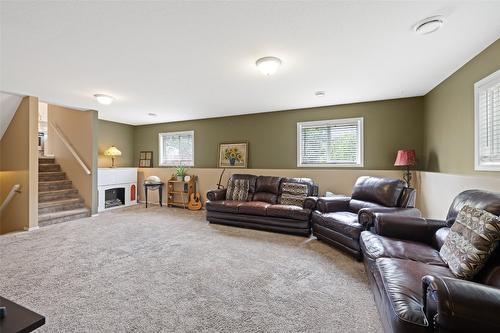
(233, 155)
(146, 159)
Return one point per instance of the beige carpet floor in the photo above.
(168, 270)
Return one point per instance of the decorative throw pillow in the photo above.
(471, 240)
(293, 194)
(238, 190)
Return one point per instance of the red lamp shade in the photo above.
(405, 158)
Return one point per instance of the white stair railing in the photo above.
(15, 189)
(70, 148)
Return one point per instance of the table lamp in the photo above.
(406, 158)
(113, 152)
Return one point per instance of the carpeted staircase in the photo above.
(58, 200)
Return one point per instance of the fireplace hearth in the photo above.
(117, 187)
(114, 197)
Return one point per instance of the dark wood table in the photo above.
(154, 186)
(18, 319)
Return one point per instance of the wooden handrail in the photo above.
(15, 189)
(70, 148)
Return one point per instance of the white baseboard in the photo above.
(31, 228)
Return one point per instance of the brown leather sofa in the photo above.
(414, 289)
(339, 221)
(262, 210)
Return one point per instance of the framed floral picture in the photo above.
(233, 155)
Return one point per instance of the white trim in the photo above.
(31, 228)
(478, 166)
(160, 147)
(360, 163)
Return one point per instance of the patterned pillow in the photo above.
(238, 190)
(293, 194)
(471, 240)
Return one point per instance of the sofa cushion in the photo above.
(289, 212)
(345, 223)
(375, 246)
(227, 206)
(237, 189)
(383, 191)
(470, 242)
(252, 180)
(305, 181)
(253, 208)
(293, 194)
(267, 189)
(401, 282)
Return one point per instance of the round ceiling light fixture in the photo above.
(268, 65)
(151, 114)
(320, 93)
(104, 99)
(429, 25)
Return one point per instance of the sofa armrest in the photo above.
(218, 194)
(366, 216)
(333, 204)
(406, 227)
(455, 305)
(310, 203)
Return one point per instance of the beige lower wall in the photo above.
(336, 181)
(437, 190)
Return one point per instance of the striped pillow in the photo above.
(293, 194)
(238, 189)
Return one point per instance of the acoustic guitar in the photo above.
(194, 201)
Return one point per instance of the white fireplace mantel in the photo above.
(116, 178)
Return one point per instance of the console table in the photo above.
(18, 319)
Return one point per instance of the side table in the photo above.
(154, 186)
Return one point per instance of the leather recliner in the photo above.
(413, 287)
(339, 221)
(262, 209)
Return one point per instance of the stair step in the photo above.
(46, 160)
(47, 176)
(59, 205)
(49, 167)
(55, 195)
(63, 216)
(54, 185)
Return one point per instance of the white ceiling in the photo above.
(189, 60)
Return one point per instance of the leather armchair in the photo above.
(339, 221)
(454, 305)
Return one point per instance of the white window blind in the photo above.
(176, 148)
(487, 121)
(330, 143)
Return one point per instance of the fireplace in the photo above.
(114, 197)
(117, 187)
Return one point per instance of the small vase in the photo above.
(180, 178)
(232, 161)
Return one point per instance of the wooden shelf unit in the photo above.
(179, 191)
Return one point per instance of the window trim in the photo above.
(360, 163)
(160, 147)
(478, 166)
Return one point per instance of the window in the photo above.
(330, 143)
(487, 123)
(177, 148)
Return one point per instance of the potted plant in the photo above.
(180, 172)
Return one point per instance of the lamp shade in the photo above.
(112, 151)
(405, 158)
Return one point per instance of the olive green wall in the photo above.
(120, 135)
(388, 126)
(449, 116)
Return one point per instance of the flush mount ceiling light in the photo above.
(104, 99)
(319, 93)
(429, 25)
(151, 114)
(268, 65)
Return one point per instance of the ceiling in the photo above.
(191, 60)
(8, 106)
